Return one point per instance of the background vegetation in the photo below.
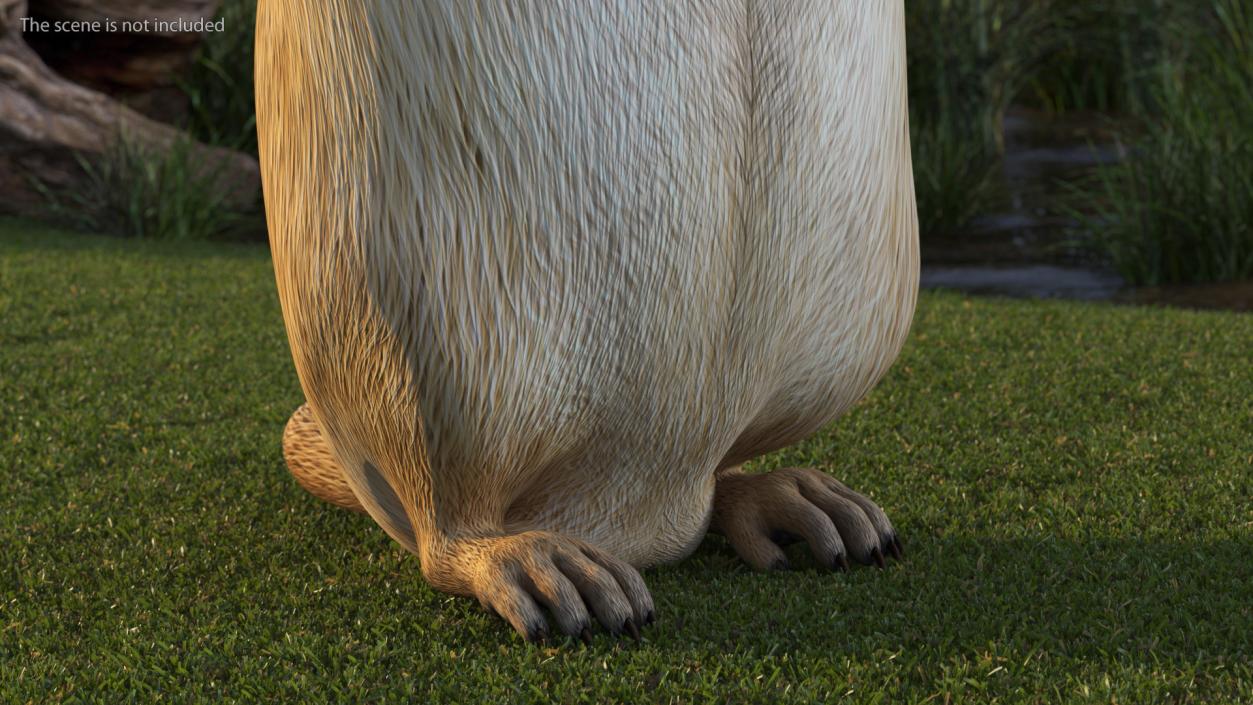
(1071, 481)
(1180, 206)
(1174, 80)
(219, 85)
(146, 193)
(1171, 79)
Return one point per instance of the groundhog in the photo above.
(553, 271)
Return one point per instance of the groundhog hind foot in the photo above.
(758, 513)
(518, 576)
(312, 462)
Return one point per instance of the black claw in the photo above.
(781, 564)
(898, 546)
(649, 618)
(841, 563)
(537, 635)
(893, 547)
(586, 636)
(630, 628)
(877, 555)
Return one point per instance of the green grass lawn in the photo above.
(1072, 483)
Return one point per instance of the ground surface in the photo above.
(1072, 482)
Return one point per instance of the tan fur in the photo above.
(759, 513)
(547, 267)
(312, 462)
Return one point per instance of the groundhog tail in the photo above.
(311, 462)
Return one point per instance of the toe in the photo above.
(629, 580)
(812, 523)
(505, 596)
(855, 528)
(895, 547)
(552, 589)
(598, 588)
(877, 517)
(752, 542)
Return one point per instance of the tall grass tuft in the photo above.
(1180, 207)
(219, 84)
(1115, 56)
(133, 191)
(955, 176)
(968, 59)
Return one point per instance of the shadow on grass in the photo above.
(1143, 599)
(1137, 600)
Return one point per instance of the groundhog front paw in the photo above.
(513, 576)
(758, 513)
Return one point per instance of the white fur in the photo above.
(552, 264)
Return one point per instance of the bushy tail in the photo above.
(311, 462)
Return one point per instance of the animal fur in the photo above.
(552, 266)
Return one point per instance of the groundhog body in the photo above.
(554, 265)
